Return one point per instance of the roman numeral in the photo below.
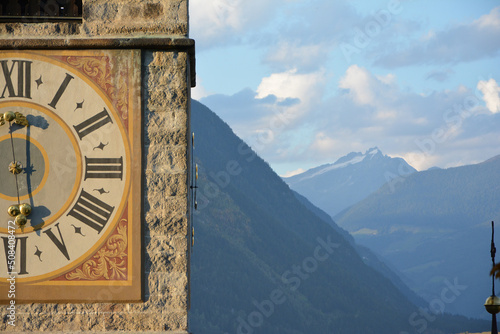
(59, 243)
(23, 270)
(103, 168)
(92, 124)
(61, 90)
(91, 211)
(23, 88)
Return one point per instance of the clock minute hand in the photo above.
(19, 211)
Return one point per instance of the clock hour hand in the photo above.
(15, 117)
(19, 211)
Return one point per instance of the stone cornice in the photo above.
(166, 43)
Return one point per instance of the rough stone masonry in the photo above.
(160, 29)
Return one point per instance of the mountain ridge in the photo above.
(260, 263)
(433, 224)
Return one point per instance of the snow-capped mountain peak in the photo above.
(347, 160)
(333, 187)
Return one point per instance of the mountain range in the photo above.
(265, 261)
(427, 226)
(335, 187)
(435, 226)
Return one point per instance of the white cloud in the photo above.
(288, 118)
(297, 96)
(439, 129)
(218, 22)
(491, 94)
(367, 89)
(359, 82)
(199, 91)
(291, 33)
(490, 20)
(323, 144)
(375, 111)
(212, 17)
(421, 161)
(460, 43)
(387, 114)
(388, 79)
(291, 84)
(293, 54)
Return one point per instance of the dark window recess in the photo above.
(40, 10)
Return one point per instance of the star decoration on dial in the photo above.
(79, 105)
(38, 253)
(101, 191)
(15, 167)
(78, 230)
(101, 146)
(38, 82)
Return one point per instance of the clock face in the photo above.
(74, 170)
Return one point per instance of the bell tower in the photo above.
(95, 165)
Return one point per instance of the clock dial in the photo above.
(75, 157)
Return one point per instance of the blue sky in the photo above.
(306, 82)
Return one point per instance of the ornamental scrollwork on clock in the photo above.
(100, 70)
(110, 262)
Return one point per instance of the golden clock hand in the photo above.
(15, 167)
(20, 211)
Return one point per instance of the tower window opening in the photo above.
(40, 10)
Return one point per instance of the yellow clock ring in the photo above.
(47, 143)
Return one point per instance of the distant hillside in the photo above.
(366, 254)
(264, 263)
(433, 226)
(335, 187)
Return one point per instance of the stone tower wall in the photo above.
(160, 29)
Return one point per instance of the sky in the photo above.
(305, 82)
